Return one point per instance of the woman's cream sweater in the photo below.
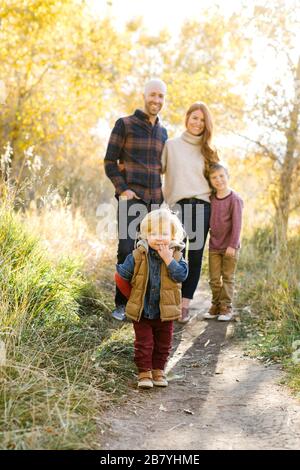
(183, 168)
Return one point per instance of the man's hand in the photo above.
(230, 252)
(128, 194)
(121, 166)
(165, 253)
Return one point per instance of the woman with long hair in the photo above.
(185, 164)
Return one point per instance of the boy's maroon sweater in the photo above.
(225, 222)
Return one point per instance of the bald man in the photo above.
(133, 164)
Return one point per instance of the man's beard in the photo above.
(148, 109)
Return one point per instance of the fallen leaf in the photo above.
(171, 377)
(189, 412)
(162, 408)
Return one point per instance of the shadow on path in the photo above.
(217, 398)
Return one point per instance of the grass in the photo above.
(54, 387)
(32, 288)
(269, 299)
(66, 360)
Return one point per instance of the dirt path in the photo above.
(217, 398)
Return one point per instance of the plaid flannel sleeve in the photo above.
(113, 153)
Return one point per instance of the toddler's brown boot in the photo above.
(145, 379)
(159, 378)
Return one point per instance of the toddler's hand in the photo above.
(165, 253)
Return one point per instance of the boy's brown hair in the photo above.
(217, 166)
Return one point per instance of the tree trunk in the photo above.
(287, 171)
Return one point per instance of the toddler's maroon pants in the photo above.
(153, 341)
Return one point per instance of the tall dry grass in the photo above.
(59, 347)
(269, 297)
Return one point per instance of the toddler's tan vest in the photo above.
(170, 291)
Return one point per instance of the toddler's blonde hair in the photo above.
(157, 219)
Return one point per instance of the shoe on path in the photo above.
(159, 378)
(226, 314)
(185, 316)
(119, 313)
(213, 312)
(145, 380)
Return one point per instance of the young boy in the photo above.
(155, 269)
(224, 243)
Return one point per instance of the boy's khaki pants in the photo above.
(221, 273)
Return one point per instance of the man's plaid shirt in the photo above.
(138, 145)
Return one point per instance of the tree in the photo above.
(276, 108)
(202, 64)
(62, 69)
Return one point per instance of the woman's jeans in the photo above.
(195, 215)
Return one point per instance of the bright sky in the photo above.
(159, 14)
(171, 14)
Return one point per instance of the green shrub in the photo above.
(31, 287)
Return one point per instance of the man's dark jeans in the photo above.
(130, 213)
